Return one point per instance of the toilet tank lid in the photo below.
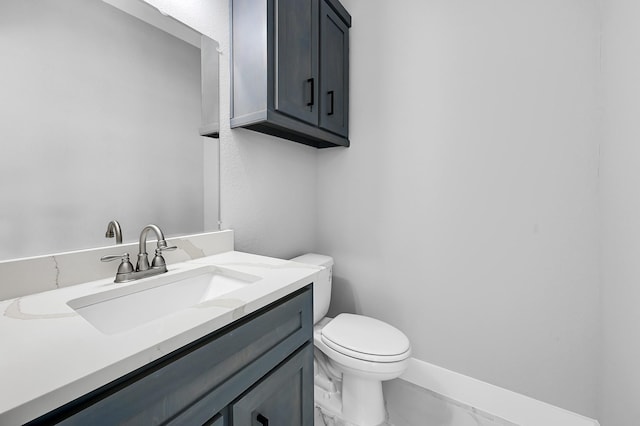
(314, 259)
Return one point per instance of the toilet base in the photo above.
(362, 401)
(358, 402)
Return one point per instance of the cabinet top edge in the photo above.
(340, 10)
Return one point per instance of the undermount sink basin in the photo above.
(131, 305)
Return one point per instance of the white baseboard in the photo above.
(511, 406)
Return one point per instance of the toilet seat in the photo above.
(366, 339)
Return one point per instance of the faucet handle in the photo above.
(158, 260)
(162, 245)
(111, 257)
(125, 265)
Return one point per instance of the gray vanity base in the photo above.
(257, 369)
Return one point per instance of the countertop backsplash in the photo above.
(21, 277)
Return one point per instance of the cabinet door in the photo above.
(282, 398)
(296, 52)
(334, 72)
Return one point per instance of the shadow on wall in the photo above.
(343, 299)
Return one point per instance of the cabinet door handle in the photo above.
(330, 110)
(262, 420)
(310, 82)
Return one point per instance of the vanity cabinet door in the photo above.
(297, 59)
(282, 397)
(334, 72)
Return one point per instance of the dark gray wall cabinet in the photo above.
(258, 370)
(290, 69)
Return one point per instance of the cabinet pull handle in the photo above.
(312, 90)
(330, 111)
(262, 420)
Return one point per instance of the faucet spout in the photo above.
(142, 247)
(143, 258)
(114, 230)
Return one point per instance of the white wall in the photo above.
(465, 212)
(268, 185)
(621, 213)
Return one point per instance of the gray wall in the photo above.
(466, 210)
(621, 214)
(94, 127)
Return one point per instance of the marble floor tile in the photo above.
(324, 420)
(411, 405)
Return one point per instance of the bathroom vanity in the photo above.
(242, 356)
(256, 367)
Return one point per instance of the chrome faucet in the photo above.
(114, 230)
(158, 265)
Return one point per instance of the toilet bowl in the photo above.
(354, 355)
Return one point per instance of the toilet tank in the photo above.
(322, 285)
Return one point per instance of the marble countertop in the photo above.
(50, 355)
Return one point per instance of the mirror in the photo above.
(100, 119)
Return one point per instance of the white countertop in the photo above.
(50, 355)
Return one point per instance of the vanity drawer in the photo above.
(280, 398)
(220, 367)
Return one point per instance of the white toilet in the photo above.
(353, 355)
